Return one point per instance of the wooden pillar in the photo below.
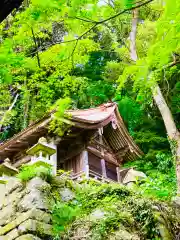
(103, 163)
(85, 163)
(118, 174)
(103, 166)
(87, 171)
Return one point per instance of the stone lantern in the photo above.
(41, 153)
(7, 171)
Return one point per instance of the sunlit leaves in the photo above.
(157, 41)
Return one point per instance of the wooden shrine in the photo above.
(96, 144)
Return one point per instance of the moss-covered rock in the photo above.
(122, 234)
(91, 211)
(111, 211)
(28, 237)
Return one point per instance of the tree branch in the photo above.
(140, 4)
(125, 10)
(10, 108)
(36, 46)
(83, 19)
(96, 23)
(72, 54)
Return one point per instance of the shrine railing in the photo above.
(92, 174)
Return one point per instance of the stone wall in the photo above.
(24, 213)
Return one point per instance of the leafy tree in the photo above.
(93, 52)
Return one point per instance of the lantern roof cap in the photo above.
(7, 169)
(41, 146)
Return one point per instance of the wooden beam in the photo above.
(71, 153)
(8, 149)
(22, 161)
(106, 157)
(122, 151)
(103, 163)
(102, 145)
(19, 142)
(16, 146)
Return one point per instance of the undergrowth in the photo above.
(161, 179)
(99, 211)
(120, 209)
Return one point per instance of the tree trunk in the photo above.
(172, 131)
(133, 52)
(9, 109)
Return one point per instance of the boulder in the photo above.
(37, 227)
(12, 235)
(176, 201)
(2, 195)
(37, 183)
(122, 234)
(133, 176)
(97, 214)
(7, 214)
(14, 223)
(34, 214)
(12, 198)
(34, 198)
(66, 194)
(12, 185)
(28, 237)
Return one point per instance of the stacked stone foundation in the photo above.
(24, 213)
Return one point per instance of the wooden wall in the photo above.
(111, 171)
(75, 164)
(94, 163)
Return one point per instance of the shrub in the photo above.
(62, 215)
(28, 172)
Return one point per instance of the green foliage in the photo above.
(159, 186)
(99, 195)
(161, 45)
(111, 223)
(129, 3)
(161, 180)
(59, 125)
(131, 112)
(28, 172)
(62, 216)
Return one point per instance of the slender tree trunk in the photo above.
(9, 109)
(36, 47)
(133, 52)
(172, 131)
